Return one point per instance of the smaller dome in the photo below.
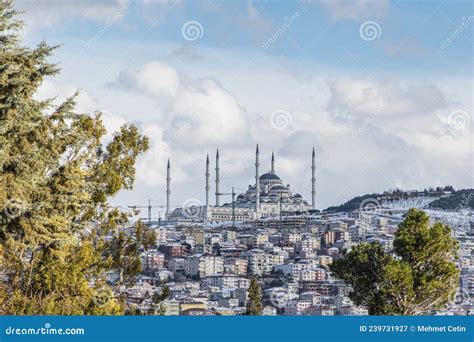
(278, 187)
(298, 195)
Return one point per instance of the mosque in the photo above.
(271, 199)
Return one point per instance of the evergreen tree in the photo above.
(55, 180)
(157, 306)
(254, 302)
(418, 278)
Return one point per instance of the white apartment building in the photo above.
(227, 281)
(297, 307)
(161, 236)
(260, 262)
(203, 265)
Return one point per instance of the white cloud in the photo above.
(214, 114)
(363, 97)
(417, 114)
(199, 111)
(154, 79)
(42, 13)
(151, 167)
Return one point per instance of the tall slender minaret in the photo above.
(217, 179)
(257, 184)
(313, 180)
(168, 189)
(208, 187)
(273, 163)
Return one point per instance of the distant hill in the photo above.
(352, 204)
(457, 200)
(438, 193)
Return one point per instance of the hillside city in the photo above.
(207, 267)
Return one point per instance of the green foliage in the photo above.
(55, 180)
(157, 307)
(365, 268)
(418, 278)
(254, 302)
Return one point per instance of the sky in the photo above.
(383, 90)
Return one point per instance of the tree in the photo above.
(420, 276)
(58, 234)
(157, 301)
(254, 302)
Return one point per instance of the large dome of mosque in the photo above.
(269, 176)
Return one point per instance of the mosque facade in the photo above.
(267, 197)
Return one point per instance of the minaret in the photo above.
(273, 164)
(257, 184)
(208, 187)
(217, 178)
(168, 189)
(313, 180)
